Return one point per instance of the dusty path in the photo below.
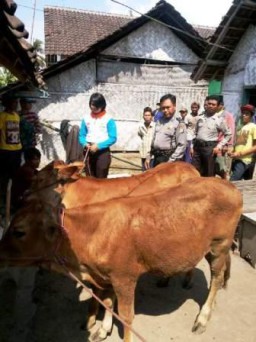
(56, 315)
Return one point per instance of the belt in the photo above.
(166, 153)
(202, 143)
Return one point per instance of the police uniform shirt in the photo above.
(170, 134)
(208, 128)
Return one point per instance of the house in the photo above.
(231, 56)
(81, 29)
(16, 54)
(132, 61)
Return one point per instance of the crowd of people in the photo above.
(19, 130)
(211, 140)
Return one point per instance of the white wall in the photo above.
(241, 71)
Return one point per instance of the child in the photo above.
(30, 126)
(243, 161)
(145, 132)
(24, 176)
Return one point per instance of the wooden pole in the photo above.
(8, 206)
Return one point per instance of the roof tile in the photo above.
(68, 31)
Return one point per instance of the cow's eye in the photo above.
(18, 234)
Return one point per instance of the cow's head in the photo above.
(33, 236)
(48, 184)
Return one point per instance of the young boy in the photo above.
(24, 175)
(243, 159)
(145, 132)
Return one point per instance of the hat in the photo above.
(5, 98)
(249, 108)
(27, 100)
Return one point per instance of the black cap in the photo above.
(27, 100)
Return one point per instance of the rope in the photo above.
(86, 167)
(125, 161)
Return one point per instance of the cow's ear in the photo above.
(66, 173)
(48, 167)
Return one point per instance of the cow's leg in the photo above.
(108, 298)
(218, 268)
(187, 282)
(227, 270)
(125, 299)
(93, 309)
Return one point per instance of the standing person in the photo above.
(205, 146)
(24, 175)
(97, 133)
(10, 145)
(30, 126)
(183, 115)
(191, 124)
(145, 132)
(157, 112)
(205, 104)
(223, 161)
(170, 137)
(245, 144)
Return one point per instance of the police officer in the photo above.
(170, 138)
(205, 146)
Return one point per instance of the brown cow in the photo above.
(87, 190)
(77, 191)
(116, 241)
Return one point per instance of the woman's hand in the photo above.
(93, 148)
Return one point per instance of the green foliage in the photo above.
(6, 77)
(38, 45)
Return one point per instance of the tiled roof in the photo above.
(68, 31)
(162, 11)
(16, 54)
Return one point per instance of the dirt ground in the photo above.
(125, 163)
(45, 307)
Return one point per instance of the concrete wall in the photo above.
(128, 87)
(241, 71)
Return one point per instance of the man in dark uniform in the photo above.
(170, 137)
(206, 146)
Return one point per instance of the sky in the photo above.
(196, 12)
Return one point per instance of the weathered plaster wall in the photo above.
(128, 87)
(241, 71)
(153, 40)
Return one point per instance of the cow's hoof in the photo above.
(162, 282)
(90, 324)
(198, 328)
(98, 336)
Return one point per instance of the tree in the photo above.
(38, 46)
(6, 77)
